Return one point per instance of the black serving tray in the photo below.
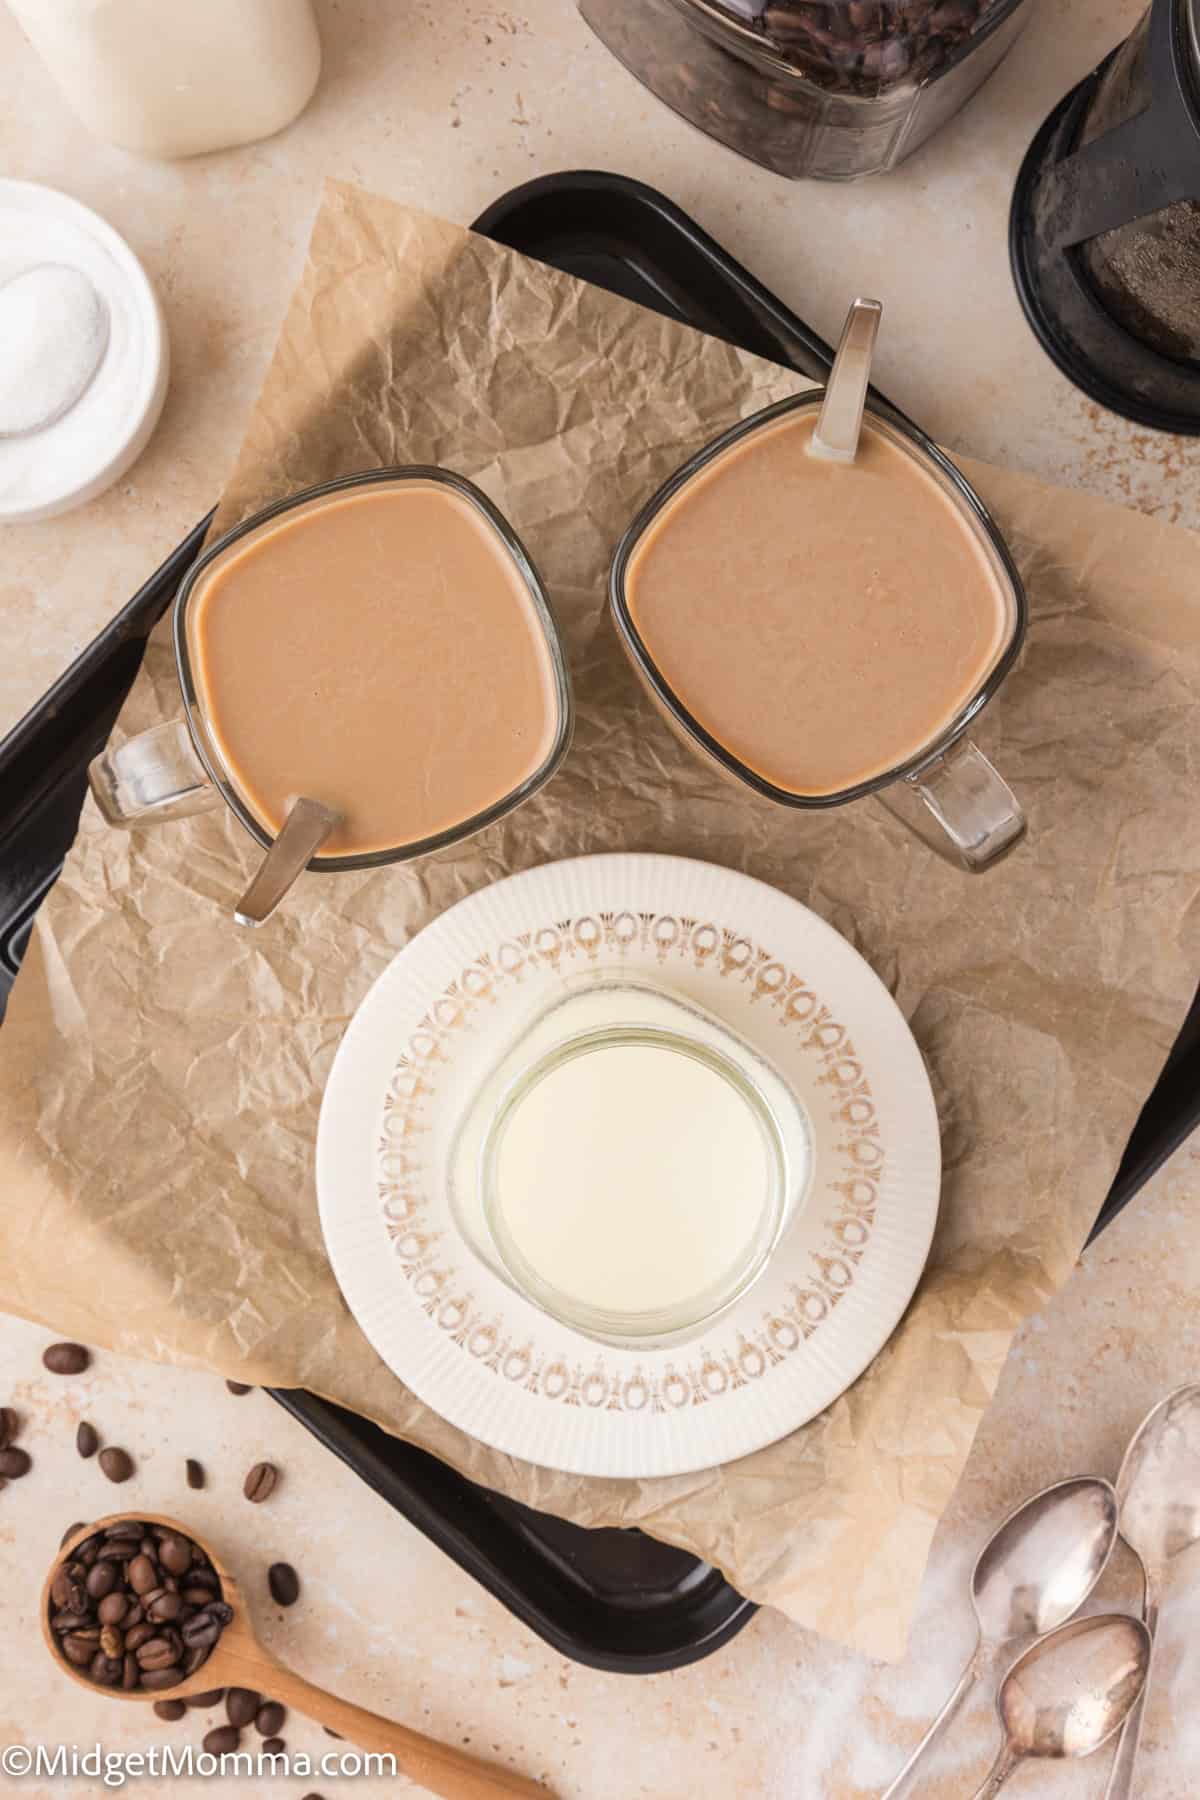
(615, 1600)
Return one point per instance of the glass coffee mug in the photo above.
(946, 790)
(181, 767)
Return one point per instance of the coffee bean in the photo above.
(154, 1680)
(284, 1584)
(101, 1580)
(273, 1746)
(10, 1426)
(87, 1439)
(137, 1635)
(195, 1473)
(197, 1596)
(79, 1647)
(66, 1359)
(239, 1387)
(330, 1732)
(70, 1621)
(70, 1533)
(114, 1606)
(259, 1484)
(116, 1552)
(175, 1555)
(170, 1710)
(201, 1630)
(134, 1616)
(222, 1740)
(317, 1796)
(15, 1463)
(241, 1704)
(112, 1641)
(200, 1577)
(117, 1464)
(193, 1658)
(206, 1701)
(64, 1590)
(143, 1576)
(156, 1653)
(104, 1671)
(165, 1608)
(220, 1611)
(125, 1528)
(268, 1721)
(131, 1675)
(148, 1547)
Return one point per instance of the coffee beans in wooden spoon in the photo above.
(136, 1606)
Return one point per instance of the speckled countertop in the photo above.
(447, 107)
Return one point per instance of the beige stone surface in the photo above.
(447, 106)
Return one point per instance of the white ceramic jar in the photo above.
(172, 78)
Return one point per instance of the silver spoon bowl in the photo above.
(1069, 1692)
(1159, 1493)
(1036, 1570)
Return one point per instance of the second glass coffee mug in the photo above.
(975, 816)
(178, 768)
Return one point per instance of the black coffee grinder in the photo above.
(1105, 227)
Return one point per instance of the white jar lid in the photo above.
(87, 448)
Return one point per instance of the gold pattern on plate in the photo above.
(444, 1291)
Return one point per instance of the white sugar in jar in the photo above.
(83, 354)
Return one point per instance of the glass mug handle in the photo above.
(156, 775)
(973, 805)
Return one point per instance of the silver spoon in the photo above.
(1069, 1692)
(1037, 1569)
(839, 422)
(1159, 1493)
(305, 829)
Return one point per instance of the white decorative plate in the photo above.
(444, 1012)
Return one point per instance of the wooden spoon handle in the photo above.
(450, 1773)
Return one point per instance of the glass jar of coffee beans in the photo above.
(830, 88)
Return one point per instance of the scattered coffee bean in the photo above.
(284, 1584)
(272, 1747)
(116, 1615)
(222, 1740)
(330, 1732)
(87, 1439)
(259, 1484)
(317, 1796)
(15, 1463)
(70, 1531)
(239, 1387)
(170, 1710)
(206, 1701)
(117, 1464)
(195, 1473)
(268, 1721)
(10, 1426)
(66, 1359)
(241, 1705)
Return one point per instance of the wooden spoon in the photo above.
(239, 1660)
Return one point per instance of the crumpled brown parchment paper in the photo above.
(161, 1069)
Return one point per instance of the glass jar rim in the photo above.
(913, 440)
(633, 1329)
